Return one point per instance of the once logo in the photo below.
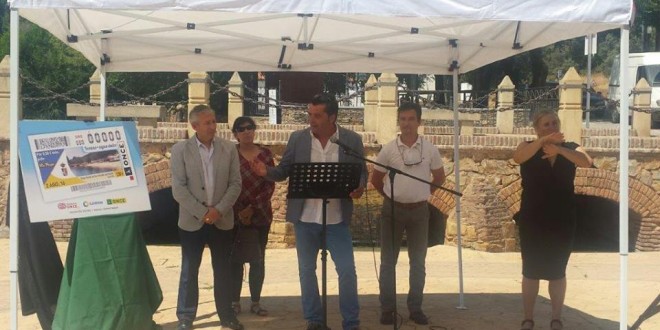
(92, 203)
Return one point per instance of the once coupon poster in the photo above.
(81, 169)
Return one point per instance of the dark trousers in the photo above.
(415, 223)
(192, 247)
(257, 270)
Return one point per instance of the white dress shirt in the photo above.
(313, 208)
(207, 167)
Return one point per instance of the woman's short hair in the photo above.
(240, 121)
(540, 114)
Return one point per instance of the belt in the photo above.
(407, 205)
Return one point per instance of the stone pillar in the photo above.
(370, 120)
(387, 104)
(4, 98)
(235, 106)
(504, 118)
(198, 93)
(95, 87)
(641, 121)
(94, 96)
(570, 106)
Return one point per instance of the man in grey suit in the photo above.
(206, 182)
(313, 145)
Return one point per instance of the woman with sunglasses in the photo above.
(253, 208)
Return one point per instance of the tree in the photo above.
(47, 62)
(648, 12)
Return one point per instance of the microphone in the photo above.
(336, 141)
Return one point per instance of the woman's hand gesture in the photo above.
(554, 138)
(258, 167)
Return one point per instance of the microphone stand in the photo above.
(392, 173)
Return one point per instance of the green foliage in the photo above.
(49, 62)
(527, 69)
(335, 83)
(524, 70)
(145, 84)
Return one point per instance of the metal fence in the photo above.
(537, 99)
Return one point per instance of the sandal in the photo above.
(556, 324)
(257, 309)
(236, 306)
(527, 324)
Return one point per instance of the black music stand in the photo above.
(323, 181)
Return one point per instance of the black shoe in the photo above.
(387, 318)
(184, 325)
(316, 326)
(233, 325)
(419, 318)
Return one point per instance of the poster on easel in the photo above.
(74, 169)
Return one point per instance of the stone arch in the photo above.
(643, 200)
(442, 200)
(605, 184)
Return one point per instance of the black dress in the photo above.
(547, 215)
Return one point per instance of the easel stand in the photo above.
(324, 181)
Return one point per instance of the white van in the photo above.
(640, 65)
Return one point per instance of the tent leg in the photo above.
(104, 92)
(623, 177)
(457, 178)
(14, 97)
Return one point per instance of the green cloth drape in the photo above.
(109, 281)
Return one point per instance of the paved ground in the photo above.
(491, 285)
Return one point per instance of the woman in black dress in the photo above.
(547, 212)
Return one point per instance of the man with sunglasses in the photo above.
(416, 156)
(313, 145)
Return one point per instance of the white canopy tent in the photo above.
(414, 36)
(323, 36)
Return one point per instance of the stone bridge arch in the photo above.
(643, 200)
(444, 201)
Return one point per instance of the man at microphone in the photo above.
(313, 145)
(418, 157)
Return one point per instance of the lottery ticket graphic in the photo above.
(80, 163)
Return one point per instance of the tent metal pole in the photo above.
(589, 56)
(103, 93)
(14, 97)
(457, 178)
(623, 176)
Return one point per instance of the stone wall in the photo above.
(354, 116)
(521, 118)
(345, 116)
(489, 180)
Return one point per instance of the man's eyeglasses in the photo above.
(410, 157)
(246, 128)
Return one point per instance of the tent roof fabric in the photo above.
(415, 36)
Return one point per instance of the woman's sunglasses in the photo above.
(246, 128)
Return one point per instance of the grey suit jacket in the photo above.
(299, 150)
(188, 183)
